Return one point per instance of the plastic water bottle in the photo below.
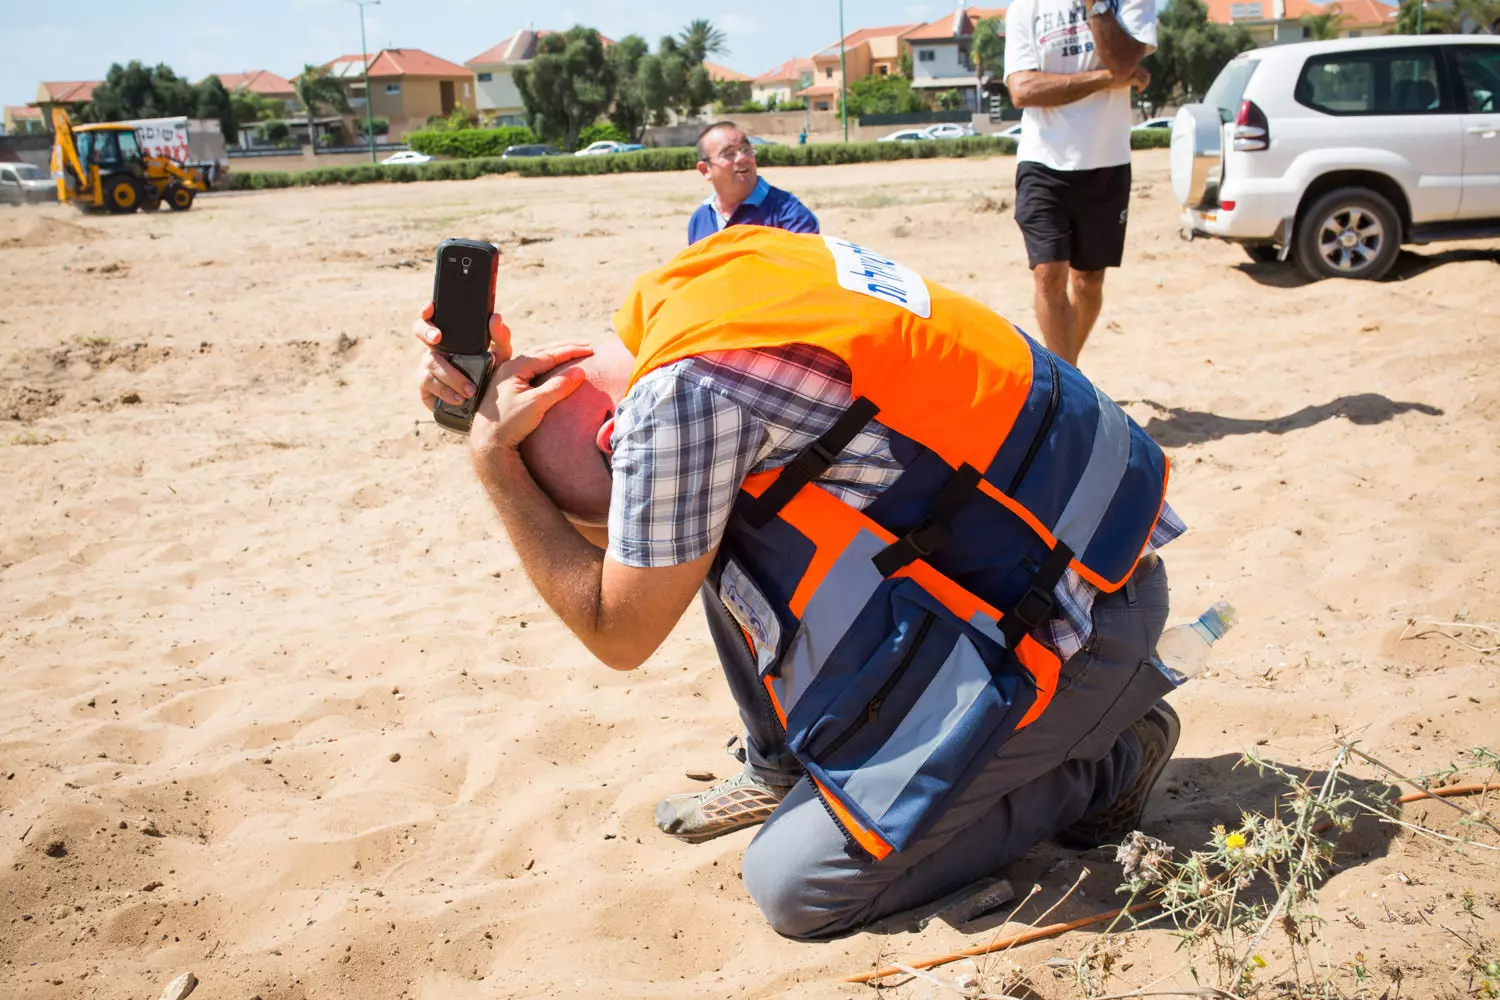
(1183, 651)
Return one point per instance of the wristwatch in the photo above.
(1101, 7)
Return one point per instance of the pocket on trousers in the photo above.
(1144, 687)
(908, 707)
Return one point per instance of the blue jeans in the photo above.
(1068, 765)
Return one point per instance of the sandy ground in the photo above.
(240, 572)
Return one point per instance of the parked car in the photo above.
(1152, 125)
(25, 184)
(756, 140)
(1336, 153)
(407, 156)
(529, 149)
(949, 130)
(600, 148)
(1014, 132)
(905, 135)
(631, 147)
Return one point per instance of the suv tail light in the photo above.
(1251, 130)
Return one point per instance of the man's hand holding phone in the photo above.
(437, 377)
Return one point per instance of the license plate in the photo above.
(1210, 216)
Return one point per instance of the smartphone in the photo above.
(463, 298)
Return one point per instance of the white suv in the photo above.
(1336, 153)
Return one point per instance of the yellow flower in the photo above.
(1234, 841)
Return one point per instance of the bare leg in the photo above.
(1054, 310)
(1086, 290)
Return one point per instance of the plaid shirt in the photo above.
(688, 434)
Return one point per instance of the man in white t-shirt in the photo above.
(1071, 64)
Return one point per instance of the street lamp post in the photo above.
(364, 56)
(843, 75)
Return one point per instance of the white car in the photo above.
(1014, 132)
(949, 130)
(600, 148)
(905, 135)
(1152, 125)
(1336, 153)
(407, 156)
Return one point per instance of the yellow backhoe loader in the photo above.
(103, 167)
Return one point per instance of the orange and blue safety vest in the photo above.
(894, 642)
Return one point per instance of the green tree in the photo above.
(988, 50)
(137, 91)
(631, 110)
(214, 102)
(883, 95)
(570, 83)
(700, 39)
(250, 107)
(1322, 27)
(1449, 19)
(1190, 52)
(950, 100)
(731, 93)
(382, 126)
(314, 86)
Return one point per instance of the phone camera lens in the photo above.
(467, 261)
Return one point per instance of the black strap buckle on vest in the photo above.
(1035, 606)
(936, 528)
(811, 462)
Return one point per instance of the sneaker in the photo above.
(732, 804)
(1157, 732)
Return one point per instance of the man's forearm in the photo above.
(1118, 51)
(563, 566)
(1033, 89)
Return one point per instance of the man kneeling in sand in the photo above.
(925, 547)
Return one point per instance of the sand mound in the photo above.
(44, 232)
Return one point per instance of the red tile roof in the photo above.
(71, 91)
(23, 112)
(792, 69)
(1360, 13)
(400, 62)
(866, 34)
(518, 48)
(717, 72)
(943, 27)
(260, 81)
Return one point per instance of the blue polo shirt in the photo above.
(766, 206)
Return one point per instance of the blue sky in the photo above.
(78, 39)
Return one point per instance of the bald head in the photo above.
(567, 454)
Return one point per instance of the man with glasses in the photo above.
(741, 197)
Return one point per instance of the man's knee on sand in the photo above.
(784, 886)
(793, 868)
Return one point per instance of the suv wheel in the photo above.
(1348, 233)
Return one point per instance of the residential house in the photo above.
(264, 83)
(498, 100)
(866, 52)
(942, 55)
(24, 120)
(1277, 22)
(779, 85)
(71, 95)
(730, 85)
(408, 87)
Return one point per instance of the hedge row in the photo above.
(469, 143)
(649, 160)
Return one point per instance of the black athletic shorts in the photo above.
(1073, 215)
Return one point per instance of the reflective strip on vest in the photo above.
(950, 695)
(1101, 477)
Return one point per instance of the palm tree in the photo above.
(700, 39)
(1323, 27)
(315, 86)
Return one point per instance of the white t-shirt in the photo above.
(1053, 36)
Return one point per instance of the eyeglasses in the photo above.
(733, 153)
